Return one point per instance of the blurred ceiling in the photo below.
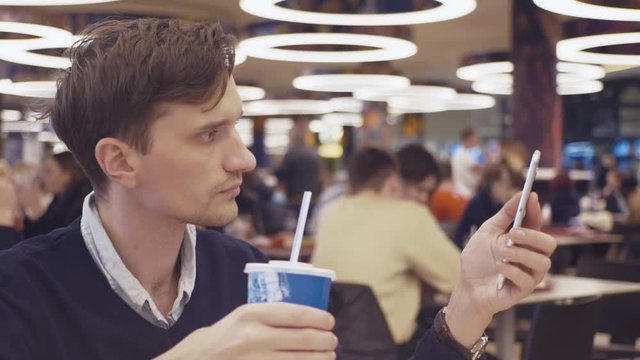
(440, 45)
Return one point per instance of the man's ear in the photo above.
(118, 161)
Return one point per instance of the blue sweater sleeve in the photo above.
(431, 348)
(8, 237)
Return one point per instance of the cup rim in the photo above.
(288, 267)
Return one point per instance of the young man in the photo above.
(148, 108)
(465, 169)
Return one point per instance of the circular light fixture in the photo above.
(240, 58)
(40, 31)
(48, 136)
(349, 82)
(408, 105)
(421, 91)
(486, 87)
(346, 104)
(471, 102)
(386, 48)
(286, 107)
(580, 87)
(10, 115)
(496, 77)
(36, 89)
(21, 127)
(50, 2)
(249, 93)
(574, 49)
(478, 71)
(591, 11)
(448, 9)
(22, 52)
(343, 119)
(569, 72)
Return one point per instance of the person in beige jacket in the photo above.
(375, 237)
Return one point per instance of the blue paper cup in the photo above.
(283, 281)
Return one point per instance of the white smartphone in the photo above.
(522, 205)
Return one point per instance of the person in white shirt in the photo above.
(465, 168)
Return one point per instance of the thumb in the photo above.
(507, 213)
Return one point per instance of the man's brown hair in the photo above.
(122, 69)
(369, 168)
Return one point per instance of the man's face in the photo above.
(420, 191)
(193, 169)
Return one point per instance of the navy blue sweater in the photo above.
(56, 304)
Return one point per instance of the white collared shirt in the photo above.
(122, 280)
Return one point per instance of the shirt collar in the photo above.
(119, 277)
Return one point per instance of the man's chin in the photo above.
(220, 219)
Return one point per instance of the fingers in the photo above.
(301, 355)
(287, 315)
(302, 339)
(533, 217)
(530, 254)
(533, 240)
(516, 275)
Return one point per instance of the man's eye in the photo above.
(208, 136)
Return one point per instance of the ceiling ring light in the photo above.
(249, 93)
(286, 107)
(22, 52)
(574, 49)
(448, 9)
(349, 82)
(591, 11)
(421, 91)
(37, 30)
(50, 2)
(386, 48)
(346, 104)
(34, 89)
(403, 105)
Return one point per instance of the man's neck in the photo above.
(148, 244)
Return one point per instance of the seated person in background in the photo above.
(8, 206)
(129, 280)
(615, 203)
(64, 179)
(564, 200)
(466, 169)
(419, 173)
(375, 237)
(446, 205)
(497, 184)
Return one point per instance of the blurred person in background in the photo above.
(615, 202)
(514, 154)
(421, 178)
(300, 168)
(63, 178)
(9, 205)
(497, 184)
(466, 170)
(447, 206)
(374, 236)
(419, 173)
(607, 163)
(564, 200)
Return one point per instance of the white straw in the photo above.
(302, 220)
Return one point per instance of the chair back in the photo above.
(563, 331)
(361, 327)
(620, 313)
